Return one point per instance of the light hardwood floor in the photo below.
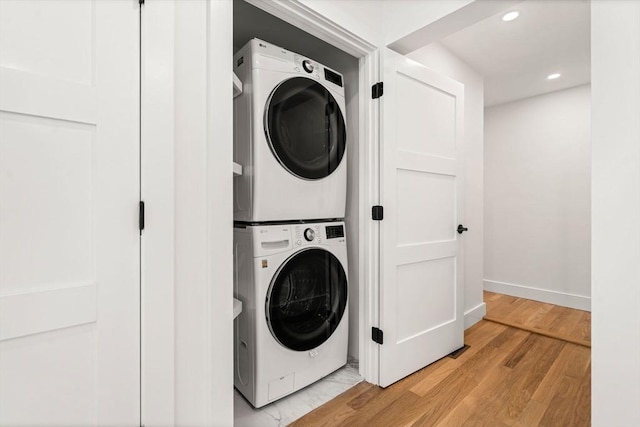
(507, 377)
(551, 320)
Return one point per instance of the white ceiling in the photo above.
(549, 36)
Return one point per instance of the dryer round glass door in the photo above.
(306, 299)
(305, 128)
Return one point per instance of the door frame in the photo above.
(157, 246)
(186, 173)
(305, 18)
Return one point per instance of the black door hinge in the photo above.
(377, 90)
(141, 216)
(376, 335)
(377, 213)
(140, 2)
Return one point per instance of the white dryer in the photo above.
(289, 137)
(293, 329)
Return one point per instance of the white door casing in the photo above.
(69, 191)
(421, 307)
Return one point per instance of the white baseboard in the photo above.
(473, 316)
(544, 295)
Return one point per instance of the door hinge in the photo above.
(377, 213)
(141, 216)
(377, 90)
(376, 335)
(140, 2)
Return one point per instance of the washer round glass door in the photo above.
(305, 128)
(306, 299)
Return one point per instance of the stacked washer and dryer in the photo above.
(290, 252)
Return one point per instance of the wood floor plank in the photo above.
(334, 411)
(570, 357)
(568, 407)
(539, 315)
(527, 311)
(566, 322)
(519, 352)
(582, 331)
(362, 399)
(335, 416)
(581, 414)
(538, 331)
(526, 377)
(472, 409)
(509, 376)
(460, 414)
(555, 316)
(443, 398)
(507, 391)
(491, 296)
(552, 385)
(476, 341)
(506, 305)
(394, 410)
(547, 319)
(440, 397)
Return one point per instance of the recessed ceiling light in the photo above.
(510, 16)
(553, 76)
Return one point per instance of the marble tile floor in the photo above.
(286, 410)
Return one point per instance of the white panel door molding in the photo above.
(421, 307)
(69, 191)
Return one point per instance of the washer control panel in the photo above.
(317, 234)
(273, 239)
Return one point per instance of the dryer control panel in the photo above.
(267, 56)
(307, 66)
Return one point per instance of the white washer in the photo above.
(290, 137)
(293, 329)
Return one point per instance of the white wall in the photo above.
(615, 65)
(438, 58)
(349, 68)
(537, 198)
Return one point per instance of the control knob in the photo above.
(309, 234)
(307, 65)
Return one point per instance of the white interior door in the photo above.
(421, 307)
(69, 191)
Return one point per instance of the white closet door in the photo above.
(421, 307)
(69, 188)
